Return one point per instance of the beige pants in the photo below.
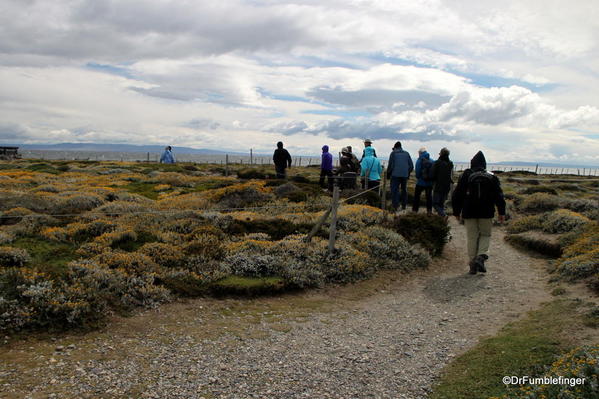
(478, 233)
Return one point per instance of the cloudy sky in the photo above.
(517, 79)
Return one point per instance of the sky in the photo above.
(518, 80)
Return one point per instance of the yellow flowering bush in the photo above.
(579, 365)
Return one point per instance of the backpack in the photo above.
(480, 186)
(426, 170)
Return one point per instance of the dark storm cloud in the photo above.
(341, 129)
(121, 31)
(377, 97)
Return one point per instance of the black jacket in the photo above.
(473, 204)
(441, 174)
(281, 158)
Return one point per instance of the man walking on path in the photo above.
(398, 171)
(282, 161)
(326, 168)
(474, 200)
(424, 182)
(441, 173)
(167, 156)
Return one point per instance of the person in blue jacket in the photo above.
(398, 171)
(326, 168)
(424, 181)
(167, 156)
(371, 168)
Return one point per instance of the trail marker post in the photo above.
(333, 229)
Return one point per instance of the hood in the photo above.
(368, 152)
(325, 148)
(478, 161)
(425, 155)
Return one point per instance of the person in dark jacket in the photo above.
(348, 169)
(354, 158)
(398, 171)
(282, 161)
(474, 199)
(424, 182)
(441, 174)
(326, 168)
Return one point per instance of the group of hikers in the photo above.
(474, 198)
(433, 178)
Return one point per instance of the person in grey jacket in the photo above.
(398, 171)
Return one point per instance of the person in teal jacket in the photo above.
(371, 169)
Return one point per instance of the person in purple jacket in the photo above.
(326, 168)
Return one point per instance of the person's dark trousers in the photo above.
(429, 198)
(348, 180)
(373, 183)
(439, 198)
(281, 173)
(399, 192)
(323, 175)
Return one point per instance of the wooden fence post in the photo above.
(384, 192)
(227, 165)
(318, 224)
(251, 156)
(333, 228)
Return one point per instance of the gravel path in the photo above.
(385, 338)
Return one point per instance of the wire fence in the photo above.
(262, 160)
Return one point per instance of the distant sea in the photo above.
(261, 159)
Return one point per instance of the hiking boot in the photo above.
(480, 263)
(473, 266)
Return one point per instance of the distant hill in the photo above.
(118, 148)
(546, 164)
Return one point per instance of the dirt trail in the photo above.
(385, 338)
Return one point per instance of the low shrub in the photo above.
(251, 173)
(135, 264)
(388, 248)
(13, 257)
(525, 223)
(432, 232)
(537, 244)
(582, 205)
(276, 228)
(78, 203)
(165, 255)
(205, 246)
(562, 221)
(14, 215)
(371, 198)
(540, 202)
(539, 189)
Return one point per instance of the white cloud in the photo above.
(238, 73)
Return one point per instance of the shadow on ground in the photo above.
(452, 289)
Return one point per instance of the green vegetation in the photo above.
(520, 348)
(47, 256)
(432, 232)
(248, 286)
